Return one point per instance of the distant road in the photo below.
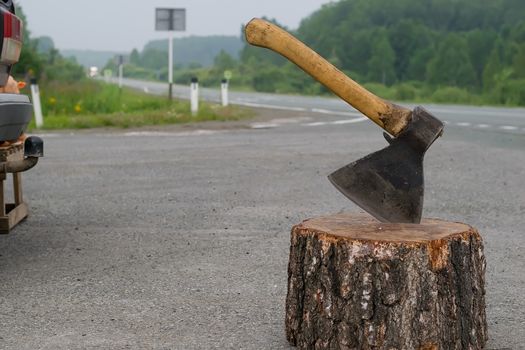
(497, 119)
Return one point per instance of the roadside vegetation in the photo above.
(92, 104)
(443, 51)
(71, 100)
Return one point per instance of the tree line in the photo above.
(41, 60)
(447, 49)
(456, 51)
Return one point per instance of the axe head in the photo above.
(389, 183)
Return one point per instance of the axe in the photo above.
(389, 183)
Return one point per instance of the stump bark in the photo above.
(355, 283)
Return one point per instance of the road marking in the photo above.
(264, 125)
(283, 108)
(338, 122)
(44, 136)
(349, 121)
(483, 126)
(316, 124)
(168, 134)
(463, 124)
(326, 111)
(508, 127)
(290, 120)
(477, 111)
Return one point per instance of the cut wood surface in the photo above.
(356, 283)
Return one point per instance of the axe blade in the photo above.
(389, 184)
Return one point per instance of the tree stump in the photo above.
(356, 283)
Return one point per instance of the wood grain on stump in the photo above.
(356, 283)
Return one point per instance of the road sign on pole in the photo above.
(170, 20)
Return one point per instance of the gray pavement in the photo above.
(179, 239)
(509, 120)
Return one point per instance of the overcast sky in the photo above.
(121, 25)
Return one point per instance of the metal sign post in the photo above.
(120, 70)
(170, 67)
(170, 20)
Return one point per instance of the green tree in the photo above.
(154, 59)
(493, 67)
(381, 63)
(134, 57)
(419, 61)
(452, 66)
(44, 44)
(266, 79)
(52, 56)
(517, 32)
(64, 70)
(40, 59)
(30, 62)
(224, 61)
(518, 61)
(407, 38)
(480, 44)
(355, 52)
(322, 37)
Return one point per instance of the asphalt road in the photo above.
(178, 238)
(509, 120)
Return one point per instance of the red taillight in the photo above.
(12, 26)
(12, 40)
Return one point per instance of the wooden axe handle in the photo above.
(389, 116)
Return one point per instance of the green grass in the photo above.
(91, 104)
(177, 115)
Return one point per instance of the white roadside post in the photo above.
(170, 20)
(228, 74)
(224, 92)
(194, 96)
(37, 104)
